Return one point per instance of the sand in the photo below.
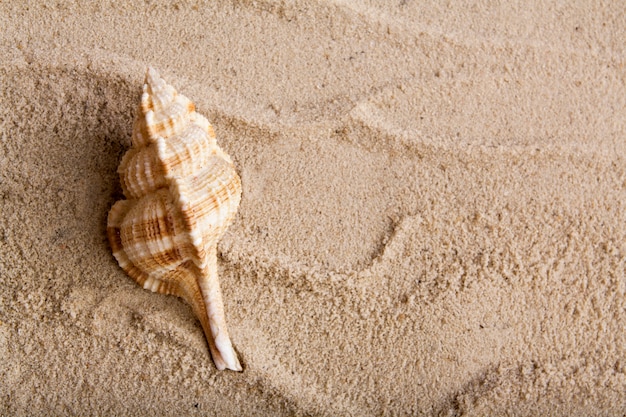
(433, 218)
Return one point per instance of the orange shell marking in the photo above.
(182, 193)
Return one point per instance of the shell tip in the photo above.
(151, 75)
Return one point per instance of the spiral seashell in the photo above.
(182, 193)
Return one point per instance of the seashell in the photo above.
(182, 193)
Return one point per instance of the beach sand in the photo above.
(433, 218)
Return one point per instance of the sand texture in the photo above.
(433, 218)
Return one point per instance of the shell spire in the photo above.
(182, 192)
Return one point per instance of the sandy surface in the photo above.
(433, 219)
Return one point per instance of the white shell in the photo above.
(182, 193)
